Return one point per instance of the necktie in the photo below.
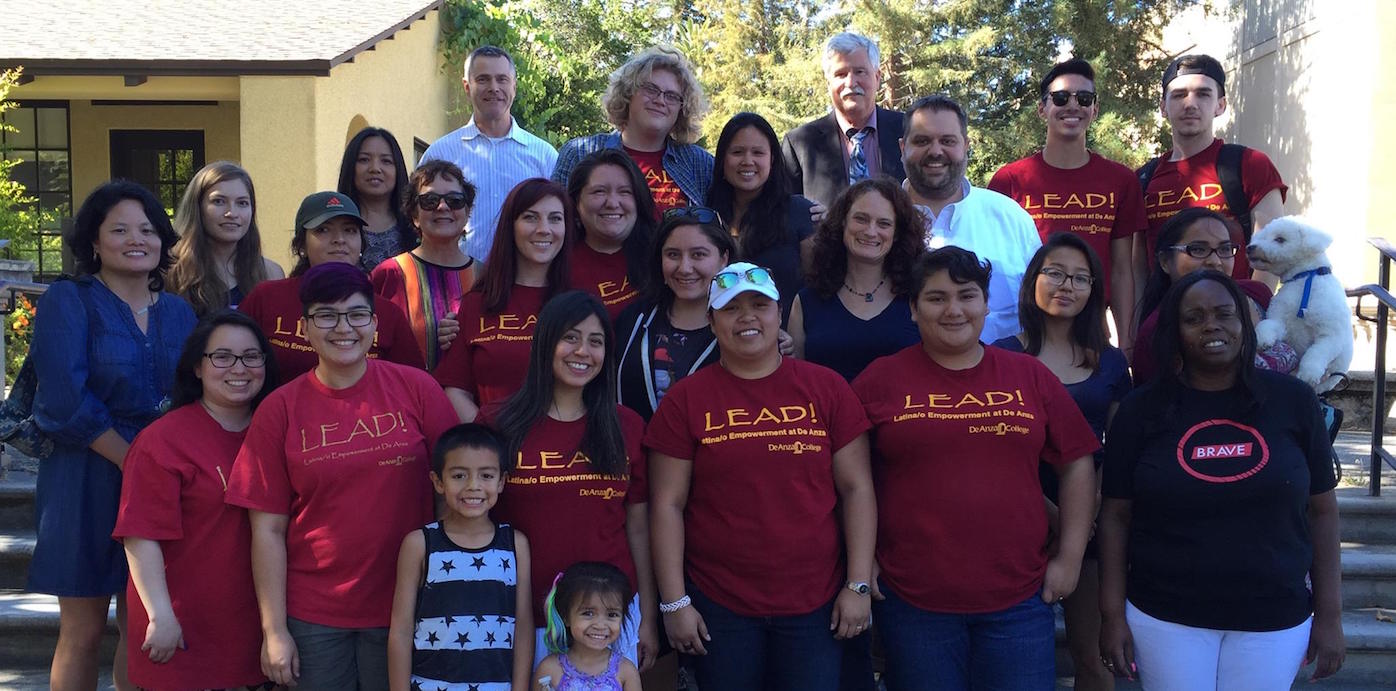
(857, 160)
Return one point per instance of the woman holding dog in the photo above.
(1218, 504)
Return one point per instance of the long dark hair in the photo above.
(398, 196)
(829, 257)
(194, 274)
(1167, 345)
(1088, 327)
(497, 282)
(602, 441)
(657, 292)
(188, 387)
(1169, 235)
(766, 221)
(88, 223)
(638, 242)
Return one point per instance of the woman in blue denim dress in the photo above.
(104, 350)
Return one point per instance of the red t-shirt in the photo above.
(350, 468)
(1179, 185)
(1099, 201)
(569, 512)
(666, 192)
(276, 307)
(604, 276)
(489, 357)
(961, 523)
(761, 535)
(172, 491)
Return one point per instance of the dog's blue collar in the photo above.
(1308, 277)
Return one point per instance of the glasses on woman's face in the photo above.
(1058, 277)
(755, 275)
(431, 200)
(654, 93)
(697, 214)
(223, 359)
(1200, 250)
(329, 319)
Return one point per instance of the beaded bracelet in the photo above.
(676, 605)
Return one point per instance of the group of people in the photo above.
(522, 419)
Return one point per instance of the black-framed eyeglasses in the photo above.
(1083, 98)
(653, 92)
(756, 275)
(1198, 250)
(223, 359)
(1058, 277)
(431, 200)
(696, 214)
(329, 319)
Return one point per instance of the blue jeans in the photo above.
(1008, 650)
(792, 653)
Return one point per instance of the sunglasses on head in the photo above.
(756, 276)
(697, 214)
(431, 200)
(1083, 98)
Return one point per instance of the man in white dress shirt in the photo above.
(492, 150)
(935, 152)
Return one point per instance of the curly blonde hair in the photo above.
(626, 80)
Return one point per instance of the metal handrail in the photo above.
(1385, 303)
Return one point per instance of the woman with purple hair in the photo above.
(334, 472)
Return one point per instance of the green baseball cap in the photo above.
(322, 206)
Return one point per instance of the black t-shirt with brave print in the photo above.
(1219, 533)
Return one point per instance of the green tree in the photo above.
(989, 54)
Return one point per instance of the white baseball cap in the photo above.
(739, 278)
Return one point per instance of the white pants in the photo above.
(1174, 657)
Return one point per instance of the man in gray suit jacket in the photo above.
(855, 141)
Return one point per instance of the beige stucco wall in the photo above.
(91, 125)
(294, 128)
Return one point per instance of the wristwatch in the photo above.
(860, 587)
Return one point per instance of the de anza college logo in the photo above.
(1222, 451)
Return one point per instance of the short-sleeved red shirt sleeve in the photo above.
(961, 521)
(761, 536)
(349, 467)
(489, 357)
(172, 492)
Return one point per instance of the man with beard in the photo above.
(935, 152)
(857, 140)
(1067, 188)
(492, 150)
(1200, 170)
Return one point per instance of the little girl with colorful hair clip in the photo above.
(586, 610)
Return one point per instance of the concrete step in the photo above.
(29, 629)
(1367, 520)
(1370, 664)
(16, 501)
(16, 549)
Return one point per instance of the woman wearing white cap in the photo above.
(748, 462)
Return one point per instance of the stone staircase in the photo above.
(29, 623)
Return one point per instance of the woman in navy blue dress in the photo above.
(104, 349)
(1061, 307)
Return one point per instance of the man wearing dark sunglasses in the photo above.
(1068, 188)
(1201, 170)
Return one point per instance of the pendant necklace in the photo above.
(868, 296)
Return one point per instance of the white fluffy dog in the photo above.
(1310, 311)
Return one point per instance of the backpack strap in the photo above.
(1229, 175)
(1146, 173)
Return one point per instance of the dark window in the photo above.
(162, 160)
(37, 139)
(419, 149)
